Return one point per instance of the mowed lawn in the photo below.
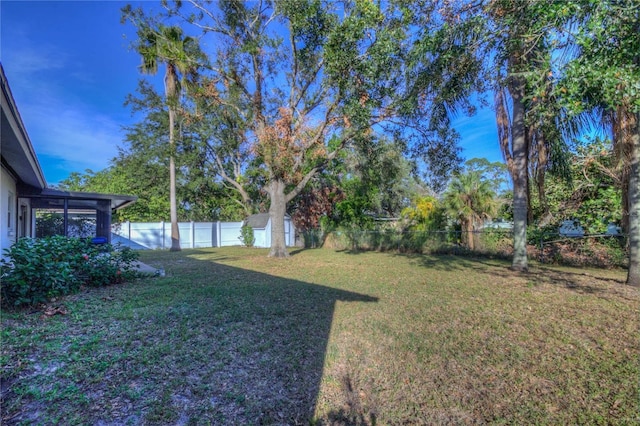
(229, 336)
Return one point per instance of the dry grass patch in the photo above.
(229, 336)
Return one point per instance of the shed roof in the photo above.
(260, 220)
(257, 221)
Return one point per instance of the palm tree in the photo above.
(470, 199)
(180, 54)
(603, 77)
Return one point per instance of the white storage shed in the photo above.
(261, 225)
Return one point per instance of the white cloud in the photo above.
(80, 138)
(67, 131)
(30, 61)
(25, 57)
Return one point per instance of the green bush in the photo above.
(495, 240)
(35, 270)
(105, 265)
(246, 236)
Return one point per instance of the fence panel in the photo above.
(157, 235)
(146, 234)
(204, 234)
(230, 234)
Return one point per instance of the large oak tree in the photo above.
(297, 75)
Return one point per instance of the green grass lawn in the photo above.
(229, 336)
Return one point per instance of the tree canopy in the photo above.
(344, 110)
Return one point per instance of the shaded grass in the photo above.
(229, 336)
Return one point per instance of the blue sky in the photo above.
(70, 68)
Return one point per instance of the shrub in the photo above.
(36, 270)
(313, 238)
(105, 265)
(495, 240)
(246, 236)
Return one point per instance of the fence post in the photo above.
(193, 235)
(162, 225)
(214, 234)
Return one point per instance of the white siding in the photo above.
(8, 201)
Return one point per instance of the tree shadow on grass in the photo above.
(538, 275)
(207, 344)
(270, 337)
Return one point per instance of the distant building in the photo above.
(497, 224)
(571, 228)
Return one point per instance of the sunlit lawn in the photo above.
(229, 336)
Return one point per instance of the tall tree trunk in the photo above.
(173, 205)
(633, 275)
(171, 90)
(470, 236)
(519, 175)
(175, 230)
(277, 211)
(623, 123)
(464, 235)
(540, 172)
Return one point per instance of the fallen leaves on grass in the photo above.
(49, 310)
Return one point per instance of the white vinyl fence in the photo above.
(157, 235)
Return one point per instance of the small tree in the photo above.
(469, 199)
(247, 236)
(424, 215)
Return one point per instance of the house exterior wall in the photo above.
(8, 207)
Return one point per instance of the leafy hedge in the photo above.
(35, 270)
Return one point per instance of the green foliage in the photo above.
(496, 173)
(493, 240)
(107, 265)
(378, 184)
(426, 214)
(247, 236)
(142, 170)
(605, 73)
(36, 270)
(444, 65)
(592, 195)
(49, 224)
(354, 211)
(469, 200)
